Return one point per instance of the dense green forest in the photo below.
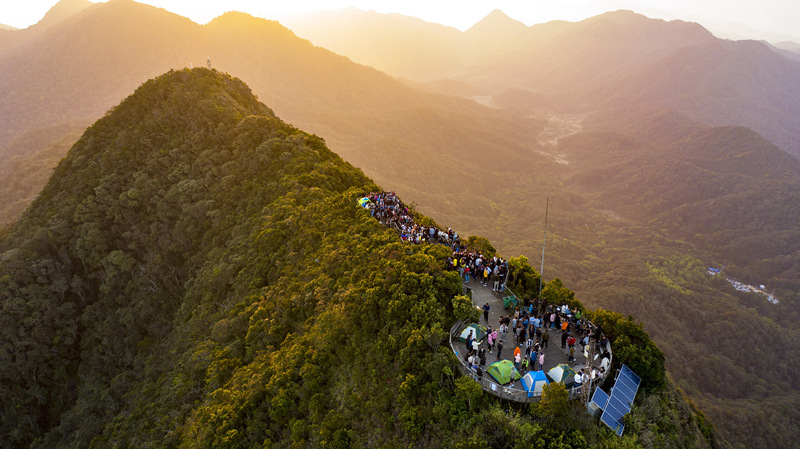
(197, 273)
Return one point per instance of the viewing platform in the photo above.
(554, 353)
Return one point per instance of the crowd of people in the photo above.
(529, 333)
(528, 329)
(474, 265)
(387, 208)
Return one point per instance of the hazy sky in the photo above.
(777, 16)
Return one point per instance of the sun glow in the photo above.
(774, 16)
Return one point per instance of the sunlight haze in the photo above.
(761, 20)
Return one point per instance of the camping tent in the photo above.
(533, 383)
(478, 332)
(503, 371)
(562, 373)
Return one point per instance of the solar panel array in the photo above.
(619, 403)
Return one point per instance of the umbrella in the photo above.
(533, 383)
(478, 333)
(503, 371)
(562, 373)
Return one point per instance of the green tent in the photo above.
(478, 333)
(562, 373)
(503, 371)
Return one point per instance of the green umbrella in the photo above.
(503, 371)
(478, 333)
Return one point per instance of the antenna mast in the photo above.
(544, 245)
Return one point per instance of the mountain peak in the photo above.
(62, 10)
(622, 15)
(246, 22)
(497, 22)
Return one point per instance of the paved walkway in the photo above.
(553, 355)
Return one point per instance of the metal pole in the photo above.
(544, 245)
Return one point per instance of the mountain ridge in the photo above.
(313, 87)
(208, 279)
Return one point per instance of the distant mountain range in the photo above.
(634, 127)
(62, 10)
(611, 60)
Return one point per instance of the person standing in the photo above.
(541, 361)
(469, 341)
(486, 312)
(525, 365)
(490, 339)
(475, 346)
(545, 338)
(499, 348)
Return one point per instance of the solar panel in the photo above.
(621, 399)
(600, 398)
(598, 402)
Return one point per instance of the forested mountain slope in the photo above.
(197, 273)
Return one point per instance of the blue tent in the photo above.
(533, 381)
